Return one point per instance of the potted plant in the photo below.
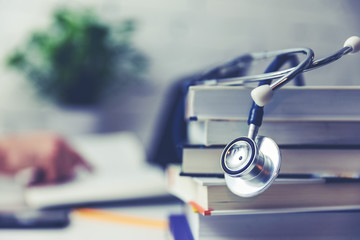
(79, 58)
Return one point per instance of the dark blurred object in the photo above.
(170, 131)
(170, 134)
(79, 58)
(25, 219)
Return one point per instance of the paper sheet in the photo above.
(120, 172)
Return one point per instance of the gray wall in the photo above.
(184, 36)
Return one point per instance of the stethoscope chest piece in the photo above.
(250, 166)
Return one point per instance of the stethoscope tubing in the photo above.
(306, 65)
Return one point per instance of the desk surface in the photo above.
(113, 155)
(85, 227)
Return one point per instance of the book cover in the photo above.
(179, 227)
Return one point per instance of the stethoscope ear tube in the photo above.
(351, 46)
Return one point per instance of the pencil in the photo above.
(107, 216)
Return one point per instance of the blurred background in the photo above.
(158, 42)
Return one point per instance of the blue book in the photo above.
(179, 227)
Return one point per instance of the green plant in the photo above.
(79, 58)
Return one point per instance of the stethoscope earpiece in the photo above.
(354, 43)
(250, 166)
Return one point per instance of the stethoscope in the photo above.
(251, 163)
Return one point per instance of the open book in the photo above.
(120, 173)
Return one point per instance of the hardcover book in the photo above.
(329, 161)
(211, 196)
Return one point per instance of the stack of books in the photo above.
(216, 115)
(317, 193)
